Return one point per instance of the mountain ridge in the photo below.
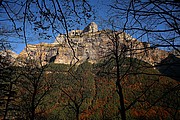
(90, 44)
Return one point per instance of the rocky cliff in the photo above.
(7, 56)
(92, 45)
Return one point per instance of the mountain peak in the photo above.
(92, 27)
(92, 45)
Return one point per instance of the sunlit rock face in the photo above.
(8, 56)
(38, 53)
(8, 53)
(92, 45)
(92, 27)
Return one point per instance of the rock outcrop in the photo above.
(92, 45)
(8, 56)
(92, 27)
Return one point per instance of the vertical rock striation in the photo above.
(92, 45)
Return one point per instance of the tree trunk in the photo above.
(121, 99)
(118, 84)
(8, 101)
(32, 117)
(77, 114)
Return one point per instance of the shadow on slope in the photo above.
(170, 67)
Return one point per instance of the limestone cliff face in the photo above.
(7, 56)
(38, 53)
(9, 53)
(92, 45)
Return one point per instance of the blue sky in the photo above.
(36, 36)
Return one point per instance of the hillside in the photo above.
(58, 90)
(170, 66)
(89, 91)
(147, 96)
